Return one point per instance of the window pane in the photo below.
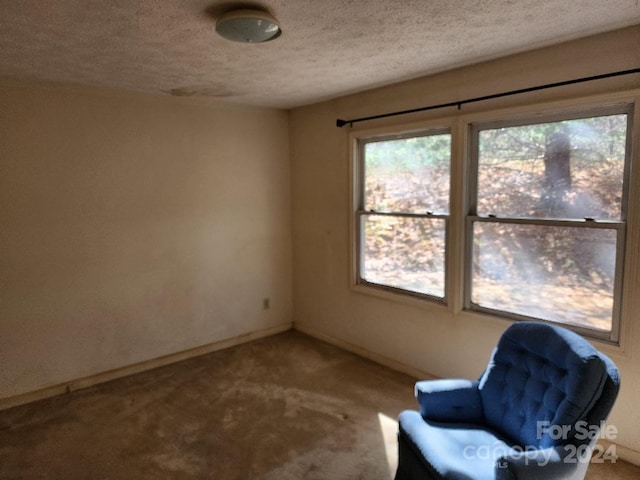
(567, 169)
(406, 253)
(408, 175)
(563, 274)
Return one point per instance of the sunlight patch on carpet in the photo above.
(389, 430)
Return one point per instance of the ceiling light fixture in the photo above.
(248, 26)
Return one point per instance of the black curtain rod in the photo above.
(459, 103)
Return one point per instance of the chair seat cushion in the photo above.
(459, 451)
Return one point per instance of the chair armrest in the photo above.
(553, 463)
(450, 400)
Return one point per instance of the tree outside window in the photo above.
(547, 219)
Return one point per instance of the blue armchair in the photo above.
(535, 412)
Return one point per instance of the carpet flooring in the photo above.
(283, 407)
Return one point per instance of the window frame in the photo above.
(359, 141)
(458, 261)
(619, 226)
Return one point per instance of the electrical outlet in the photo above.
(266, 303)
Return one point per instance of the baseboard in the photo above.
(363, 352)
(107, 376)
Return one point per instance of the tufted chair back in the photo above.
(542, 379)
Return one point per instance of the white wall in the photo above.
(133, 227)
(429, 337)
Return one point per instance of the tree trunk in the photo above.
(557, 175)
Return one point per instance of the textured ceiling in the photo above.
(328, 48)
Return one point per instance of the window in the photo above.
(402, 212)
(546, 223)
(535, 226)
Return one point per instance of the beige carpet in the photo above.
(285, 407)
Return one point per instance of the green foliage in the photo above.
(408, 153)
(408, 175)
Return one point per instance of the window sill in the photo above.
(413, 300)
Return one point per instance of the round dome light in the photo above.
(248, 26)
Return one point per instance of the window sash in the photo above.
(361, 170)
(474, 147)
(361, 217)
(361, 213)
(618, 225)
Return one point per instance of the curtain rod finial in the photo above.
(341, 123)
